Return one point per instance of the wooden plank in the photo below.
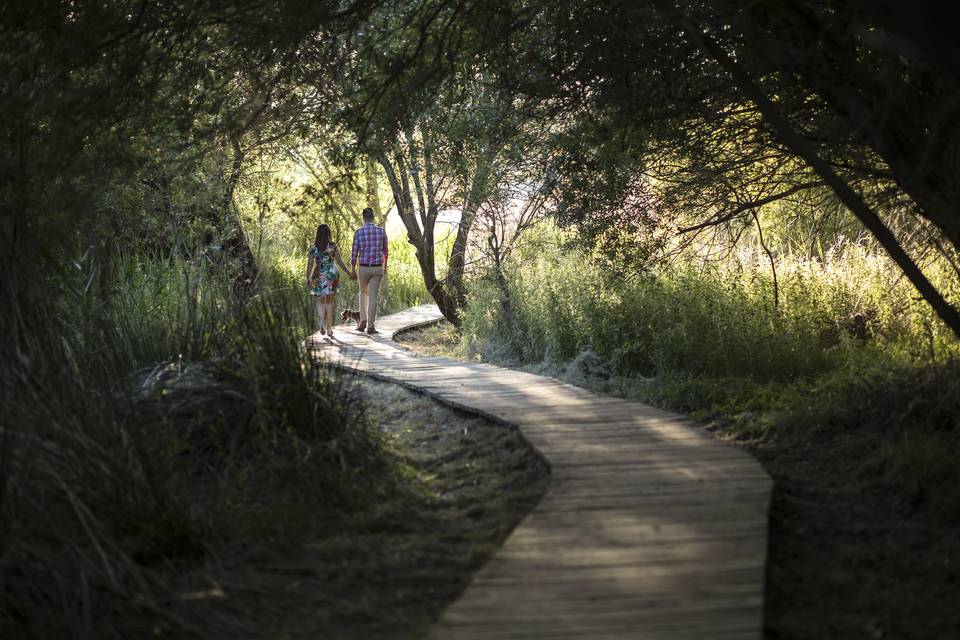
(548, 525)
(485, 595)
(651, 528)
(603, 612)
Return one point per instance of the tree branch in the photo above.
(747, 206)
(795, 142)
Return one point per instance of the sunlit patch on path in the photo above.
(651, 527)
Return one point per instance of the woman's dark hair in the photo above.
(323, 237)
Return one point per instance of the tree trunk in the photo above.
(236, 243)
(373, 192)
(510, 328)
(785, 132)
(458, 253)
(422, 240)
(907, 134)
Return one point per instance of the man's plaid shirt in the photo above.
(369, 245)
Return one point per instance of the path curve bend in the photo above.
(651, 527)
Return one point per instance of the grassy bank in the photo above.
(845, 343)
(145, 429)
(715, 317)
(846, 391)
(173, 463)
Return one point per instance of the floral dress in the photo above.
(325, 276)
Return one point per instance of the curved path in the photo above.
(651, 527)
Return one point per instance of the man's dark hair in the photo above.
(368, 215)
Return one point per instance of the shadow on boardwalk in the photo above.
(651, 527)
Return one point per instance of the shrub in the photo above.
(141, 430)
(708, 318)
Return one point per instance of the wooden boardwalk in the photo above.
(651, 527)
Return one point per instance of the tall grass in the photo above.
(850, 345)
(143, 429)
(709, 318)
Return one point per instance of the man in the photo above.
(370, 251)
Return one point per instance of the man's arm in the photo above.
(385, 251)
(356, 249)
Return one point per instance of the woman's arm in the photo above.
(336, 255)
(309, 270)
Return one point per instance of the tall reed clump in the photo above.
(143, 430)
(707, 318)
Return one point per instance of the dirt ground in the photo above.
(469, 483)
(451, 487)
(851, 554)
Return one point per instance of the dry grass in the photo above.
(451, 488)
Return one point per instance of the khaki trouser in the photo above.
(369, 279)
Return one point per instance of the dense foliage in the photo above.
(763, 193)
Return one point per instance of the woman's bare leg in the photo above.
(318, 306)
(329, 310)
(322, 313)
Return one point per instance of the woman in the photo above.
(323, 277)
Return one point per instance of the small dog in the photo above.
(350, 313)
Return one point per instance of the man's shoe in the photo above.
(372, 332)
(362, 326)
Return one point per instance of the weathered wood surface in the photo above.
(651, 527)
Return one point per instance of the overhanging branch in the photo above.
(747, 206)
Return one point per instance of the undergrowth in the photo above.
(146, 428)
(708, 318)
(847, 346)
